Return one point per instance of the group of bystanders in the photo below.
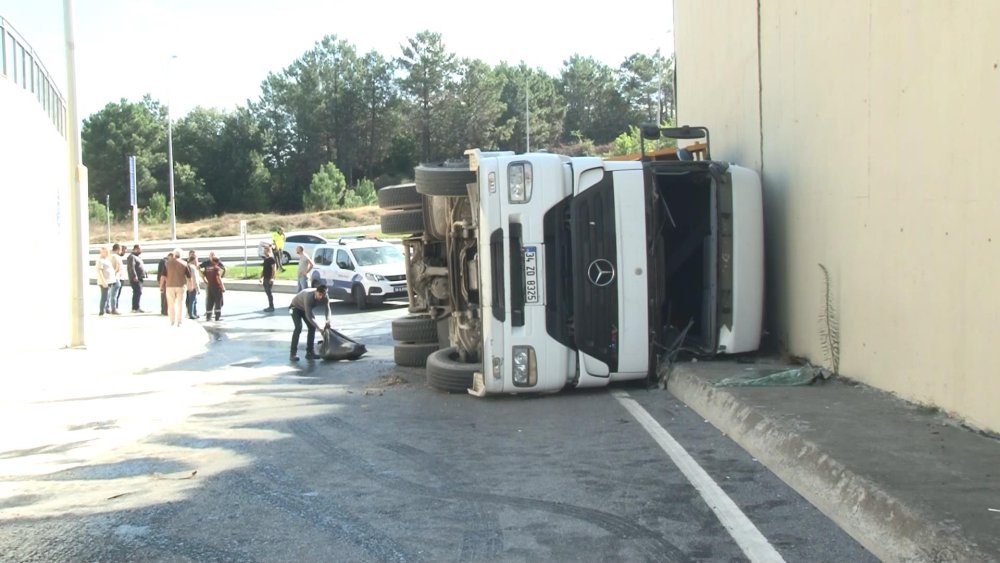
(180, 283)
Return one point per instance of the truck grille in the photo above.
(595, 270)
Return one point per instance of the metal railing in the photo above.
(20, 64)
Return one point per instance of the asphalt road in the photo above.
(254, 458)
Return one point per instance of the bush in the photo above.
(325, 189)
(97, 211)
(157, 212)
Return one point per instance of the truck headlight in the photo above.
(373, 277)
(519, 182)
(523, 366)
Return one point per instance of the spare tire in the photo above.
(446, 372)
(403, 196)
(444, 179)
(415, 328)
(413, 354)
(407, 221)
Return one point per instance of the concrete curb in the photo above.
(883, 524)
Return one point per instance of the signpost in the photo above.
(243, 233)
(132, 199)
(107, 213)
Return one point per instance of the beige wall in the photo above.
(875, 124)
(34, 179)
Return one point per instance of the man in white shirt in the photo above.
(305, 267)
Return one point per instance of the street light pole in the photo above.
(78, 228)
(170, 158)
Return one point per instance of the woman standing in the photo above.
(106, 278)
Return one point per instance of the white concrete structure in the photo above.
(874, 124)
(34, 176)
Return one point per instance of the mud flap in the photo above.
(478, 385)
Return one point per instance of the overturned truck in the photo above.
(530, 273)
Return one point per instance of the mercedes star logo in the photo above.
(601, 272)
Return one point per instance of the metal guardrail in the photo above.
(22, 65)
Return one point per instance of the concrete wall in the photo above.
(34, 177)
(875, 125)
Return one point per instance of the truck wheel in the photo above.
(407, 221)
(403, 196)
(360, 299)
(413, 354)
(414, 328)
(446, 372)
(446, 179)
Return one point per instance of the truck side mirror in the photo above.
(650, 131)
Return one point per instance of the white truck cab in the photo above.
(554, 271)
(359, 269)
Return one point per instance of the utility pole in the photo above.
(527, 113)
(170, 158)
(77, 188)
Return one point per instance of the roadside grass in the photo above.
(229, 225)
(251, 272)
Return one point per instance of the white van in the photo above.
(363, 270)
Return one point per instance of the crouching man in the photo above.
(301, 310)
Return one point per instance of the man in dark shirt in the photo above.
(267, 278)
(213, 270)
(136, 273)
(301, 310)
(161, 272)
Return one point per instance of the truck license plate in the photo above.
(531, 274)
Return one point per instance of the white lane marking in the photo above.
(754, 545)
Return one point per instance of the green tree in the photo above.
(639, 84)
(96, 210)
(381, 103)
(469, 113)
(594, 105)
(192, 201)
(532, 88)
(666, 93)
(429, 70)
(326, 190)
(157, 210)
(197, 141)
(112, 134)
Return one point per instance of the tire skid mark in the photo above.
(655, 547)
(277, 492)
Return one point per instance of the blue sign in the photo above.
(131, 180)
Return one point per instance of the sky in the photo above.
(216, 53)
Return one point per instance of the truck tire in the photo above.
(407, 221)
(403, 196)
(446, 372)
(413, 354)
(414, 328)
(446, 179)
